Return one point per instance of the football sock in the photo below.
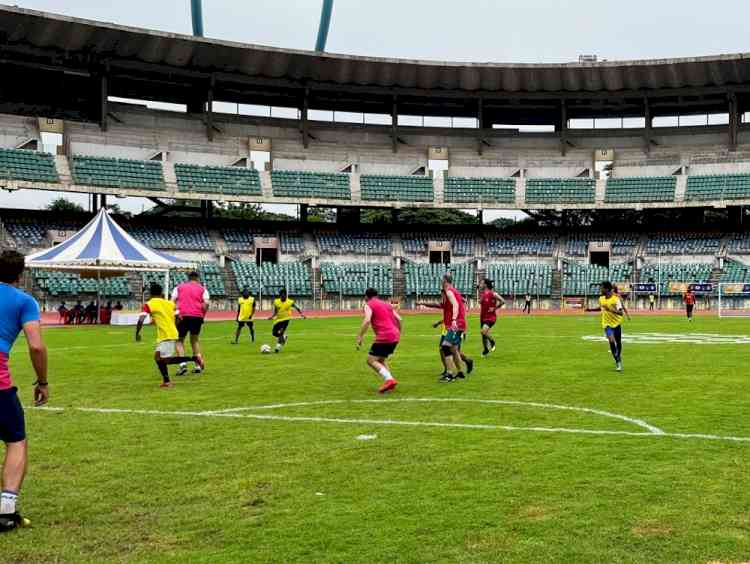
(492, 341)
(484, 344)
(613, 348)
(181, 360)
(163, 371)
(252, 333)
(385, 373)
(8, 502)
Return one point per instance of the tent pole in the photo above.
(166, 284)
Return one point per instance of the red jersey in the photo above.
(488, 306)
(384, 322)
(448, 310)
(689, 298)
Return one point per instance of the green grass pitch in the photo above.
(162, 481)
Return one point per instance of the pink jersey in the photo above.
(190, 297)
(384, 322)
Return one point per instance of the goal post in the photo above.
(734, 299)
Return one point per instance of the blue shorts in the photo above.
(613, 331)
(12, 422)
(452, 338)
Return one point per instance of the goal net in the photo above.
(734, 300)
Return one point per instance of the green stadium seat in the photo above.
(117, 173)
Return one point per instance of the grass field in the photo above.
(165, 482)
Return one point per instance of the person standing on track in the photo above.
(527, 304)
(489, 302)
(386, 324)
(689, 300)
(651, 301)
(245, 313)
(282, 315)
(18, 312)
(612, 313)
(192, 301)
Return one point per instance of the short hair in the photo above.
(156, 289)
(607, 285)
(282, 291)
(246, 290)
(488, 283)
(194, 275)
(448, 277)
(12, 264)
(371, 293)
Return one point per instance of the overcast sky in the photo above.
(459, 30)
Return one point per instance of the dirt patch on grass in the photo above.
(488, 542)
(535, 513)
(652, 530)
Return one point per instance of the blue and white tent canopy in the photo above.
(103, 245)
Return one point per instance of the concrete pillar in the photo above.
(303, 211)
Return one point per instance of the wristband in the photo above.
(42, 384)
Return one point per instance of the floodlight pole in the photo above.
(325, 24)
(196, 10)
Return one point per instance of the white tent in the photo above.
(105, 248)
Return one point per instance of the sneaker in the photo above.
(469, 365)
(166, 385)
(460, 376)
(182, 370)
(446, 378)
(200, 364)
(388, 385)
(286, 339)
(492, 349)
(485, 353)
(618, 366)
(10, 521)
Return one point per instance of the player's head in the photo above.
(155, 290)
(487, 284)
(370, 293)
(11, 266)
(282, 294)
(447, 280)
(194, 276)
(246, 293)
(607, 288)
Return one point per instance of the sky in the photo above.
(529, 31)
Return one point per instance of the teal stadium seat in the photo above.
(426, 279)
(703, 188)
(33, 166)
(642, 189)
(217, 180)
(354, 279)
(483, 190)
(117, 173)
(516, 279)
(385, 188)
(318, 185)
(560, 190)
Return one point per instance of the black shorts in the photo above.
(689, 307)
(489, 324)
(279, 328)
(241, 324)
(383, 350)
(12, 422)
(190, 325)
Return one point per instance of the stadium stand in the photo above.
(71, 284)
(354, 279)
(642, 189)
(735, 271)
(683, 244)
(33, 166)
(33, 233)
(583, 279)
(212, 279)
(669, 272)
(510, 245)
(623, 244)
(511, 279)
(416, 243)
(718, 187)
(186, 238)
(300, 184)
(426, 279)
(356, 243)
(560, 190)
(218, 180)
(270, 278)
(499, 190)
(117, 173)
(291, 242)
(397, 188)
(738, 243)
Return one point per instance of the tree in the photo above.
(64, 206)
(321, 215)
(420, 216)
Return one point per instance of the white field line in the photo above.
(636, 422)
(391, 422)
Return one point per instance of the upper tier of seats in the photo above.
(738, 243)
(426, 279)
(510, 245)
(117, 173)
(416, 243)
(643, 189)
(683, 244)
(669, 272)
(33, 233)
(188, 238)
(517, 279)
(560, 190)
(584, 279)
(297, 184)
(354, 243)
(735, 271)
(354, 279)
(291, 242)
(57, 283)
(718, 187)
(33, 166)
(623, 244)
(397, 188)
(217, 180)
(496, 190)
(270, 278)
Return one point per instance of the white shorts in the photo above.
(166, 349)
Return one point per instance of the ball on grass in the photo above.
(265, 349)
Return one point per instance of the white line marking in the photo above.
(689, 338)
(480, 426)
(636, 422)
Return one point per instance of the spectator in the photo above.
(118, 306)
(90, 313)
(63, 311)
(79, 313)
(105, 315)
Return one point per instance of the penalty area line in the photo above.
(392, 422)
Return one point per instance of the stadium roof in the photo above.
(165, 66)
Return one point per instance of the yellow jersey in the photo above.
(283, 309)
(246, 308)
(611, 310)
(162, 314)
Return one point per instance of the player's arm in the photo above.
(295, 306)
(273, 313)
(454, 303)
(239, 309)
(206, 301)
(430, 305)
(365, 325)
(398, 320)
(38, 354)
(437, 324)
(499, 301)
(252, 310)
(624, 309)
(141, 319)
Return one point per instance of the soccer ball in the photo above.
(265, 349)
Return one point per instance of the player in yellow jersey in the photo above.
(245, 313)
(282, 314)
(612, 310)
(162, 313)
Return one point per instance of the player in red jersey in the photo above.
(689, 300)
(386, 324)
(454, 319)
(489, 302)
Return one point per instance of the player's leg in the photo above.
(484, 330)
(610, 332)
(448, 358)
(161, 364)
(182, 332)
(488, 336)
(376, 360)
(195, 344)
(237, 332)
(251, 326)
(13, 434)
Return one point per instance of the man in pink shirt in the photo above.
(386, 324)
(192, 301)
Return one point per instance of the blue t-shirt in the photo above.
(16, 309)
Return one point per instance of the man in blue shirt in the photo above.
(18, 312)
